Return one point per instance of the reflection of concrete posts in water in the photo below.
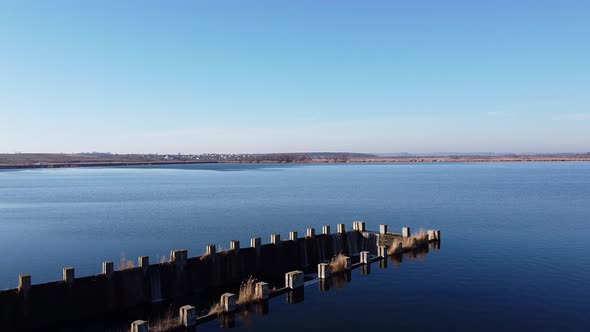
(366, 269)
(383, 263)
(396, 259)
(261, 308)
(434, 245)
(228, 321)
(295, 296)
(340, 280)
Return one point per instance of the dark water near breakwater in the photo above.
(514, 253)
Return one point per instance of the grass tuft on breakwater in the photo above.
(247, 292)
(125, 263)
(338, 264)
(166, 323)
(401, 244)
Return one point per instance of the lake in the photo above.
(514, 252)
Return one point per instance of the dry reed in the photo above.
(217, 308)
(338, 264)
(165, 323)
(125, 263)
(399, 244)
(247, 292)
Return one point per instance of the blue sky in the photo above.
(270, 76)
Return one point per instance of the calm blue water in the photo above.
(515, 249)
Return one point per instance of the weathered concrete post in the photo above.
(341, 228)
(324, 270)
(228, 301)
(382, 229)
(294, 279)
(275, 239)
(406, 231)
(365, 257)
(179, 256)
(433, 235)
(382, 251)
(139, 326)
(24, 282)
(348, 263)
(188, 316)
(108, 268)
(68, 274)
(326, 229)
(144, 263)
(261, 291)
(256, 243)
(293, 235)
(210, 250)
(311, 232)
(360, 226)
(234, 245)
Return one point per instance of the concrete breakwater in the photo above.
(31, 306)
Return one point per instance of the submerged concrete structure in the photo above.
(77, 298)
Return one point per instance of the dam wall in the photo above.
(35, 306)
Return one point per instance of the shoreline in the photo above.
(313, 161)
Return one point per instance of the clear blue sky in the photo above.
(270, 76)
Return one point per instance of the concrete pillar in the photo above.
(188, 316)
(294, 279)
(143, 262)
(360, 226)
(262, 290)
(324, 270)
(311, 232)
(348, 264)
(210, 250)
(406, 231)
(326, 229)
(24, 282)
(179, 256)
(139, 326)
(234, 245)
(68, 274)
(382, 229)
(437, 234)
(341, 228)
(228, 300)
(365, 257)
(275, 239)
(255, 242)
(108, 268)
(293, 235)
(354, 225)
(431, 235)
(382, 251)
